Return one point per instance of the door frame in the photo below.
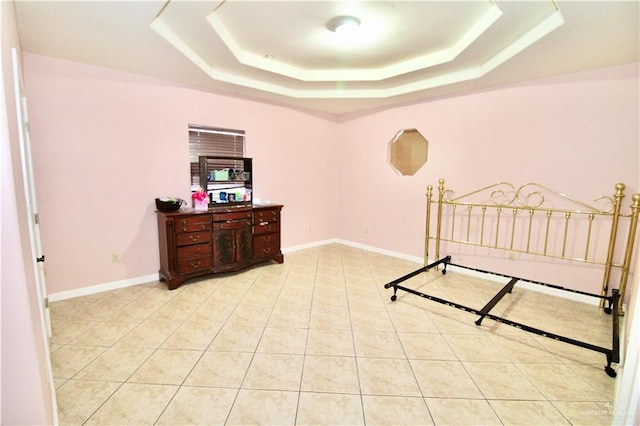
(35, 243)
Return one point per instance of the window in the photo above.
(214, 142)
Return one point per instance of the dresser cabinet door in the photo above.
(231, 247)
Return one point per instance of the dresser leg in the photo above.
(175, 283)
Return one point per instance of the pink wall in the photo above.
(106, 143)
(578, 133)
(26, 393)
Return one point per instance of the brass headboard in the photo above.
(536, 220)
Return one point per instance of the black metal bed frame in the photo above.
(612, 354)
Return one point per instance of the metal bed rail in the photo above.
(612, 354)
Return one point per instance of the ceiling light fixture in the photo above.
(343, 24)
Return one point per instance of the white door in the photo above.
(30, 193)
(37, 257)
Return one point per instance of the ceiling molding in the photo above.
(424, 50)
(540, 30)
(424, 61)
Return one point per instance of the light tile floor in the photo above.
(316, 340)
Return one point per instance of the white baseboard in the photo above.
(310, 245)
(85, 291)
(395, 254)
(356, 245)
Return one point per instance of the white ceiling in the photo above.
(282, 51)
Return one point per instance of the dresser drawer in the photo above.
(193, 238)
(266, 215)
(232, 224)
(196, 250)
(193, 224)
(188, 266)
(266, 228)
(223, 217)
(266, 245)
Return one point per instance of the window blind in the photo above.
(213, 141)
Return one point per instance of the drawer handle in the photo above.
(202, 226)
(232, 221)
(266, 250)
(184, 225)
(248, 222)
(268, 227)
(194, 237)
(195, 265)
(267, 238)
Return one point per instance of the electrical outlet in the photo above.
(512, 255)
(366, 229)
(115, 258)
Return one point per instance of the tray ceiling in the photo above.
(284, 52)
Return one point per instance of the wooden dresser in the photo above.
(193, 244)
